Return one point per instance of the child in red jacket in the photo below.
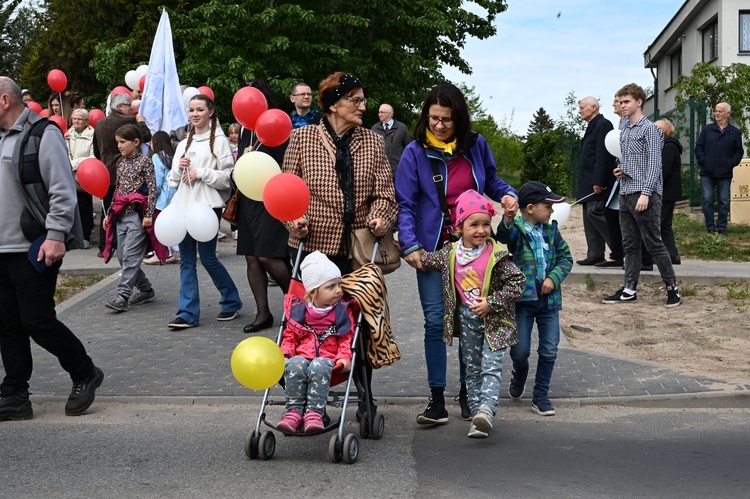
(317, 340)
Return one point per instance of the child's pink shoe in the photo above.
(291, 422)
(313, 422)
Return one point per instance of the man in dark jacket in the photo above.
(595, 181)
(395, 135)
(105, 145)
(718, 151)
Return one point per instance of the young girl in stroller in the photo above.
(316, 343)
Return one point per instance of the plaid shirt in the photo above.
(641, 146)
(539, 247)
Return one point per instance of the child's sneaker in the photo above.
(313, 422)
(119, 304)
(475, 433)
(516, 387)
(483, 420)
(674, 299)
(291, 422)
(543, 407)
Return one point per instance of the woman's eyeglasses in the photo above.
(357, 101)
(446, 122)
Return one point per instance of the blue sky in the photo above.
(593, 48)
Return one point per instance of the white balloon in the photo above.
(170, 228)
(188, 94)
(141, 70)
(561, 213)
(132, 79)
(253, 171)
(202, 222)
(612, 143)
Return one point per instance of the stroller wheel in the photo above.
(351, 448)
(379, 425)
(267, 445)
(251, 445)
(364, 426)
(335, 449)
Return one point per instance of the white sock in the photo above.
(629, 291)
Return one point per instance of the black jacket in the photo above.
(719, 151)
(671, 169)
(596, 163)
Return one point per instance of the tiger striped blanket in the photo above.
(367, 286)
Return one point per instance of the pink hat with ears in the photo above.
(471, 202)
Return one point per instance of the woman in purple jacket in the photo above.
(445, 159)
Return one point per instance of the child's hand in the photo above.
(548, 286)
(480, 306)
(104, 223)
(147, 222)
(345, 365)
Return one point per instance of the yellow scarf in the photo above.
(447, 147)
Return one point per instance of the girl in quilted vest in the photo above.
(480, 286)
(316, 342)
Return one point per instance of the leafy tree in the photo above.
(16, 29)
(571, 120)
(541, 122)
(544, 160)
(717, 84)
(473, 102)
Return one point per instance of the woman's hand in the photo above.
(184, 163)
(378, 227)
(414, 260)
(300, 228)
(509, 203)
(189, 176)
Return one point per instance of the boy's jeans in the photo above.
(548, 326)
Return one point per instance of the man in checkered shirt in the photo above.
(640, 174)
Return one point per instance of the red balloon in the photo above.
(142, 83)
(207, 91)
(45, 113)
(286, 197)
(57, 80)
(94, 116)
(34, 106)
(120, 90)
(273, 127)
(60, 122)
(247, 105)
(93, 177)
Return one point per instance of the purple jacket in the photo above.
(419, 214)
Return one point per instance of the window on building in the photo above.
(675, 61)
(744, 44)
(711, 42)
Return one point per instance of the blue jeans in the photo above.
(720, 186)
(430, 286)
(548, 326)
(190, 303)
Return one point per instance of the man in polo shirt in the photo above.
(640, 174)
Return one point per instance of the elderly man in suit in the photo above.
(395, 135)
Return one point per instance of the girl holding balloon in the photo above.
(201, 172)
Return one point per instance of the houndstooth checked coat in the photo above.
(311, 155)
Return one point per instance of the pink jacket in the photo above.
(299, 340)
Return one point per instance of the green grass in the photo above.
(688, 289)
(694, 242)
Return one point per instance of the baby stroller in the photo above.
(340, 447)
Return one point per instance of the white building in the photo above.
(713, 31)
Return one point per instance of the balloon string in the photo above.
(62, 109)
(104, 210)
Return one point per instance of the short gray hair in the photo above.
(119, 100)
(84, 114)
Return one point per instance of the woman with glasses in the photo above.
(345, 167)
(445, 160)
(80, 140)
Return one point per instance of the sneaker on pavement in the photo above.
(234, 235)
(143, 297)
(516, 387)
(152, 260)
(119, 304)
(463, 403)
(543, 407)
(674, 298)
(483, 420)
(227, 316)
(15, 408)
(221, 236)
(313, 422)
(620, 297)
(434, 414)
(83, 393)
(180, 323)
(291, 422)
(474, 432)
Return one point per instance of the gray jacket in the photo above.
(395, 141)
(56, 177)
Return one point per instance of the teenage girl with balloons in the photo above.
(201, 172)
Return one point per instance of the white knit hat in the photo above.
(317, 270)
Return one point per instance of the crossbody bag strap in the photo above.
(437, 177)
